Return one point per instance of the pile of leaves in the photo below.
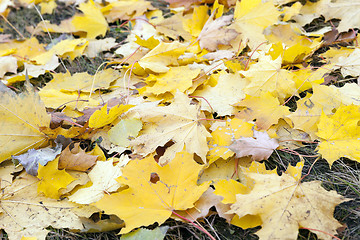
(181, 117)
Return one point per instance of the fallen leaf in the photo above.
(21, 117)
(209, 36)
(103, 177)
(284, 204)
(124, 131)
(260, 147)
(178, 122)
(340, 134)
(104, 117)
(52, 179)
(24, 213)
(76, 159)
(145, 203)
(8, 64)
(32, 158)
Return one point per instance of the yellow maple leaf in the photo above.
(125, 10)
(223, 136)
(66, 48)
(176, 79)
(26, 49)
(73, 100)
(228, 190)
(266, 109)
(340, 134)
(52, 179)
(310, 108)
(25, 213)
(173, 27)
(267, 76)
(195, 24)
(82, 81)
(252, 17)
(104, 117)
(154, 192)
(178, 122)
(124, 131)
(103, 177)
(284, 204)
(21, 117)
(92, 22)
(222, 104)
(163, 55)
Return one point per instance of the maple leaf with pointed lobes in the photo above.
(163, 55)
(251, 18)
(222, 104)
(147, 200)
(21, 117)
(103, 177)
(284, 204)
(176, 79)
(267, 76)
(260, 147)
(209, 35)
(310, 108)
(52, 179)
(266, 109)
(340, 134)
(222, 138)
(103, 117)
(178, 122)
(25, 213)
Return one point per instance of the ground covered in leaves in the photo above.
(179, 120)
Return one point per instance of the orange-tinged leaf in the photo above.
(104, 116)
(146, 202)
(21, 117)
(52, 179)
(340, 134)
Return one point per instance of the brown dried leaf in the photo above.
(76, 159)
